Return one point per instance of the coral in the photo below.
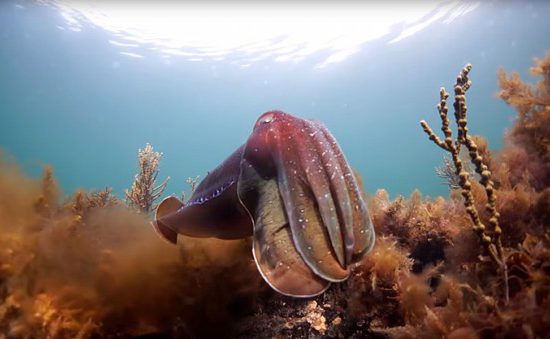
(144, 191)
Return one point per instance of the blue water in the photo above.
(70, 99)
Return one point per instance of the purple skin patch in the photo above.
(291, 188)
(211, 195)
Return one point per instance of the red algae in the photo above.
(92, 267)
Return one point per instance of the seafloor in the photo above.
(90, 265)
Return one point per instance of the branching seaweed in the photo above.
(144, 191)
(447, 172)
(490, 238)
(192, 182)
(531, 130)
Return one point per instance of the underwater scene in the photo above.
(274, 169)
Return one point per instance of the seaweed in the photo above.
(490, 238)
(531, 130)
(144, 190)
(91, 266)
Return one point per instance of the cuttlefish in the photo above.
(290, 188)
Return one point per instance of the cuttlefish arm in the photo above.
(320, 207)
(274, 251)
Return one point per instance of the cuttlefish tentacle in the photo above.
(275, 254)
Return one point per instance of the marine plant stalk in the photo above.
(490, 237)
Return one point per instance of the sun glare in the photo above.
(251, 32)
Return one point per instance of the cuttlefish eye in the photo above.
(265, 119)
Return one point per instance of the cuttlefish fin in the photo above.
(278, 261)
(167, 206)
